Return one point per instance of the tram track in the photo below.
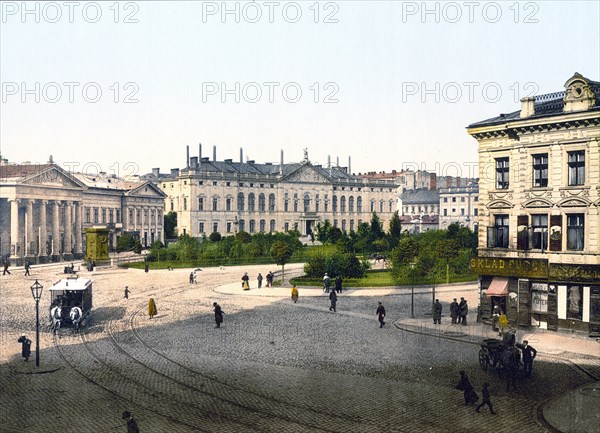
(185, 396)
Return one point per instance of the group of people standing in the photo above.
(459, 311)
(327, 283)
(259, 279)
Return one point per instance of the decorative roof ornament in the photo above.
(305, 154)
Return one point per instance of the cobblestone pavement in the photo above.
(275, 366)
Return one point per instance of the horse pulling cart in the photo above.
(71, 303)
(506, 358)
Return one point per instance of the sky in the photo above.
(123, 87)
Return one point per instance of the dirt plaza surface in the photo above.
(274, 366)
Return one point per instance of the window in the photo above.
(476, 212)
(215, 227)
(272, 225)
(306, 203)
(350, 204)
(445, 212)
(118, 215)
(539, 229)
(228, 227)
(139, 215)
(214, 183)
(498, 235)
(103, 216)
(286, 205)
(577, 168)
(171, 205)
(351, 225)
(295, 205)
(251, 202)
(201, 227)
(359, 204)
(131, 221)
(184, 203)
(344, 225)
(215, 204)
(262, 225)
(462, 199)
(240, 202)
(110, 216)
(476, 199)
(286, 227)
(200, 203)
(462, 211)
(391, 206)
(242, 225)
(445, 199)
(343, 203)
(381, 206)
(502, 172)
(334, 203)
(271, 202)
(540, 170)
(575, 232)
(261, 203)
(453, 199)
(87, 215)
(575, 302)
(252, 226)
(228, 204)
(372, 205)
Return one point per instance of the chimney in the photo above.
(199, 151)
(174, 172)
(527, 106)
(187, 156)
(156, 172)
(349, 164)
(329, 163)
(281, 163)
(194, 162)
(337, 161)
(241, 155)
(214, 152)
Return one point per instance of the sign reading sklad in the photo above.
(509, 267)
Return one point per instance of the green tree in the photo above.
(376, 228)
(406, 251)
(395, 231)
(281, 253)
(215, 237)
(447, 249)
(170, 224)
(127, 242)
(323, 231)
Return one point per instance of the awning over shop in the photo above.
(498, 287)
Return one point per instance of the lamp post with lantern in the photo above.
(36, 292)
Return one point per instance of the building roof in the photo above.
(420, 196)
(550, 104)
(21, 171)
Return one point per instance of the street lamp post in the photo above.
(36, 292)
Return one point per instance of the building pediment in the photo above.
(146, 189)
(500, 204)
(574, 202)
(53, 176)
(306, 173)
(538, 203)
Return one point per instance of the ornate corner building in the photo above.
(539, 199)
(45, 210)
(227, 197)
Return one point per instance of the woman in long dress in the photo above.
(294, 294)
(152, 308)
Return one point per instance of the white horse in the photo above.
(56, 316)
(76, 316)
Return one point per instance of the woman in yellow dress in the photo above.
(294, 294)
(152, 308)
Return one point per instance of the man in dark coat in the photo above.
(465, 386)
(454, 311)
(380, 314)
(437, 312)
(486, 399)
(333, 299)
(463, 310)
(338, 284)
(529, 354)
(25, 347)
(218, 314)
(6, 271)
(245, 281)
(27, 268)
(131, 422)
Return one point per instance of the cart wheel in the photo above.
(484, 359)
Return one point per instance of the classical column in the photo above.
(29, 250)
(78, 228)
(68, 228)
(55, 229)
(42, 251)
(14, 228)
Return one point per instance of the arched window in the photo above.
(306, 203)
(272, 225)
(381, 206)
(242, 225)
(271, 202)
(350, 204)
(344, 225)
(261, 203)
(391, 206)
(351, 224)
(359, 204)
(252, 226)
(334, 203)
(251, 203)
(200, 203)
(215, 203)
(262, 225)
(372, 206)
(240, 203)
(343, 204)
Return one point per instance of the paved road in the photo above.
(275, 366)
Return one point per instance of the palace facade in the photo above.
(226, 196)
(539, 199)
(45, 210)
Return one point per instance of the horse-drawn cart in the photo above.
(71, 303)
(506, 358)
(490, 352)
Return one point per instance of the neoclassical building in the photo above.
(227, 197)
(460, 204)
(539, 199)
(44, 211)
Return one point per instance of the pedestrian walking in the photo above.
(27, 268)
(25, 347)
(218, 314)
(464, 385)
(152, 311)
(437, 312)
(294, 293)
(326, 283)
(529, 354)
(333, 299)
(270, 276)
(132, 426)
(338, 284)
(6, 271)
(259, 279)
(127, 292)
(485, 394)
(454, 311)
(146, 267)
(191, 278)
(463, 310)
(245, 279)
(380, 314)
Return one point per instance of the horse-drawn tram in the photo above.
(71, 303)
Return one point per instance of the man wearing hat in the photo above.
(529, 354)
(454, 311)
(131, 423)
